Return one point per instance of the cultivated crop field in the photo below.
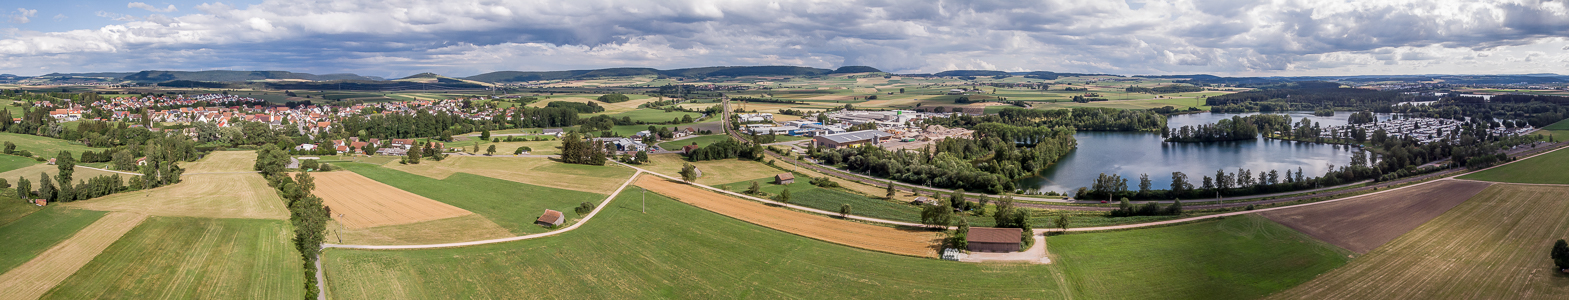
(1547, 168)
(235, 195)
(31, 235)
(673, 251)
(1493, 246)
(1363, 223)
(358, 202)
(193, 258)
(471, 227)
(511, 205)
(530, 170)
(913, 242)
(223, 161)
(37, 276)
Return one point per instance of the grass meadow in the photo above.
(194, 258)
(43, 146)
(702, 141)
(28, 236)
(1547, 168)
(12, 162)
(512, 205)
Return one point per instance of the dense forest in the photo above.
(1309, 95)
(990, 161)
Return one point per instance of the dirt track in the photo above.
(359, 202)
(898, 241)
(1365, 223)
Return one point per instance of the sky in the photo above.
(395, 38)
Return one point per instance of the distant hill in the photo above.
(234, 76)
(857, 69)
(97, 74)
(520, 76)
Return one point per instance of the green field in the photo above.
(1547, 168)
(43, 146)
(1495, 245)
(702, 141)
(513, 205)
(1240, 257)
(195, 258)
(30, 235)
(13, 162)
(10, 209)
(653, 115)
(673, 251)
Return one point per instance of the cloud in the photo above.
(60, 17)
(1136, 37)
(149, 7)
(22, 15)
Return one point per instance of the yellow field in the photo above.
(358, 202)
(223, 161)
(31, 173)
(530, 170)
(471, 227)
(34, 278)
(1493, 246)
(237, 195)
(714, 171)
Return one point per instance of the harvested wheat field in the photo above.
(1364, 223)
(234, 195)
(79, 173)
(223, 161)
(34, 278)
(530, 170)
(897, 241)
(358, 202)
(1494, 246)
(472, 227)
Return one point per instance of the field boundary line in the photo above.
(110, 171)
(590, 216)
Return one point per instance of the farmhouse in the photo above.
(784, 178)
(553, 218)
(851, 139)
(983, 239)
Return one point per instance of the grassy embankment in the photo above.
(679, 251)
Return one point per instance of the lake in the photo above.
(1132, 153)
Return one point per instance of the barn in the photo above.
(983, 239)
(784, 178)
(550, 218)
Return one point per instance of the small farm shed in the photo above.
(784, 178)
(550, 218)
(983, 239)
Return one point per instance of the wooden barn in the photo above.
(982, 239)
(550, 218)
(784, 178)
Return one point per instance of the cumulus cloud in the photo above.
(22, 15)
(150, 7)
(1126, 37)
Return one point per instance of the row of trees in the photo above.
(306, 211)
(1082, 119)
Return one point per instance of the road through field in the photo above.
(34, 278)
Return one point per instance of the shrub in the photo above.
(584, 208)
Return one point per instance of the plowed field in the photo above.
(358, 202)
(1362, 224)
(898, 241)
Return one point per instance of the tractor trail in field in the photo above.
(36, 277)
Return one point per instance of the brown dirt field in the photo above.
(1364, 224)
(359, 202)
(36, 277)
(471, 227)
(897, 241)
(223, 161)
(236, 195)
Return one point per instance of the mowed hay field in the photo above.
(1239, 257)
(223, 161)
(77, 174)
(472, 227)
(714, 171)
(193, 258)
(913, 242)
(236, 195)
(358, 202)
(1363, 223)
(31, 235)
(1493, 246)
(511, 205)
(530, 170)
(673, 251)
(37, 276)
(1547, 168)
